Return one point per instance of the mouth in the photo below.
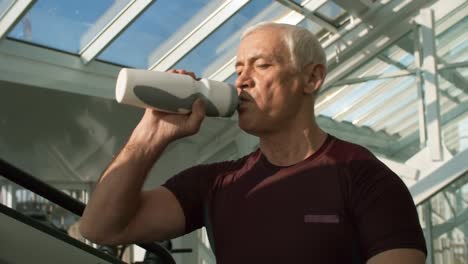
(243, 98)
(243, 103)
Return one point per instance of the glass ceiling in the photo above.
(71, 26)
(4, 5)
(384, 100)
(66, 25)
(172, 19)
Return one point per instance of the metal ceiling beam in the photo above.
(35, 66)
(397, 74)
(445, 104)
(363, 100)
(365, 136)
(13, 15)
(336, 93)
(446, 94)
(400, 67)
(118, 24)
(431, 83)
(378, 67)
(447, 66)
(440, 178)
(391, 116)
(453, 140)
(411, 141)
(309, 14)
(358, 49)
(406, 45)
(395, 14)
(454, 222)
(451, 76)
(456, 79)
(391, 61)
(331, 97)
(377, 39)
(201, 32)
(403, 123)
(375, 110)
(355, 7)
(367, 3)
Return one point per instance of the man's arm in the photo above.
(119, 212)
(400, 256)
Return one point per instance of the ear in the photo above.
(315, 74)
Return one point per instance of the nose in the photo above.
(244, 80)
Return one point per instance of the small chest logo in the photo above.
(321, 219)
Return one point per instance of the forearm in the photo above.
(116, 197)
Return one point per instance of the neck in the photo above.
(292, 144)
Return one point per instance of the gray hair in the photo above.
(304, 47)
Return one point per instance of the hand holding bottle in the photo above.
(159, 125)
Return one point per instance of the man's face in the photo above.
(269, 86)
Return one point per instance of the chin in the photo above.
(249, 131)
(249, 126)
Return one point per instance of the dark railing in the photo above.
(58, 197)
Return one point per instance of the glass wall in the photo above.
(444, 218)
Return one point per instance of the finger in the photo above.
(192, 74)
(198, 113)
(182, 71)
(179, 71)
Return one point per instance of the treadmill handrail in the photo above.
(67, 202)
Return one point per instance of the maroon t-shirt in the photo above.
(339, 205)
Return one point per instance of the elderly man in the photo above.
(302, 197)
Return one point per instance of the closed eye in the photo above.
(263, 66)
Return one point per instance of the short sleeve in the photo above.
(383, 209)
(191, 188)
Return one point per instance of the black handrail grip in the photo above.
(65, 201)
(39, 187)
(181, 250)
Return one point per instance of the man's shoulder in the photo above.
(360, 162)
(346, 151)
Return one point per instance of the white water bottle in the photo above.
(174, 93)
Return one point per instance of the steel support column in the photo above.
(419, 85)
(431, 83)
(427, 212)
